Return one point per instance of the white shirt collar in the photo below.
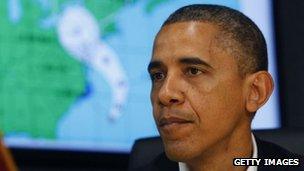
(254, 154)
(183, 167)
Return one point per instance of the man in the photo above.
(209, 77)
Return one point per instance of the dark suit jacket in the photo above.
(265, 150)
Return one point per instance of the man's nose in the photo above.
(171, 91)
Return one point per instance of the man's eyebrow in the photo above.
(154, 64)
(194, 61)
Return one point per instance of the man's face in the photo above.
(197, 92)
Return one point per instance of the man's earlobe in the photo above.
(260, 89)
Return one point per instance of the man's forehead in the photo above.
(185, 34)
(184, 40)
(188, 28)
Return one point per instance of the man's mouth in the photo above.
(174, 127)
(171, 120)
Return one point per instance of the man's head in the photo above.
(209, 76)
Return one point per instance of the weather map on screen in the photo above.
(73, 72)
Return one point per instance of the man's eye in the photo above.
(193, 71)
(157, 76)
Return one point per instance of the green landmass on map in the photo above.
(38, 79)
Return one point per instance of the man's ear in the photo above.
(260, 87)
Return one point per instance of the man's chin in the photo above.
(177, 151)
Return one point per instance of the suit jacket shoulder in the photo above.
(160, 163)
(271, 150)
(268, 150)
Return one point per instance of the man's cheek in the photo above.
(156, 113)
(152, 95)
(201, 103)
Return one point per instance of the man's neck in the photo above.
(220, 156)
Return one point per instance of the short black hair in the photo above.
(239, 33)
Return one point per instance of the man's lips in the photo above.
(164, 121)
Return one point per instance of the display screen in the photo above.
(73, 74)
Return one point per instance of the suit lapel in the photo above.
(162, 163)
